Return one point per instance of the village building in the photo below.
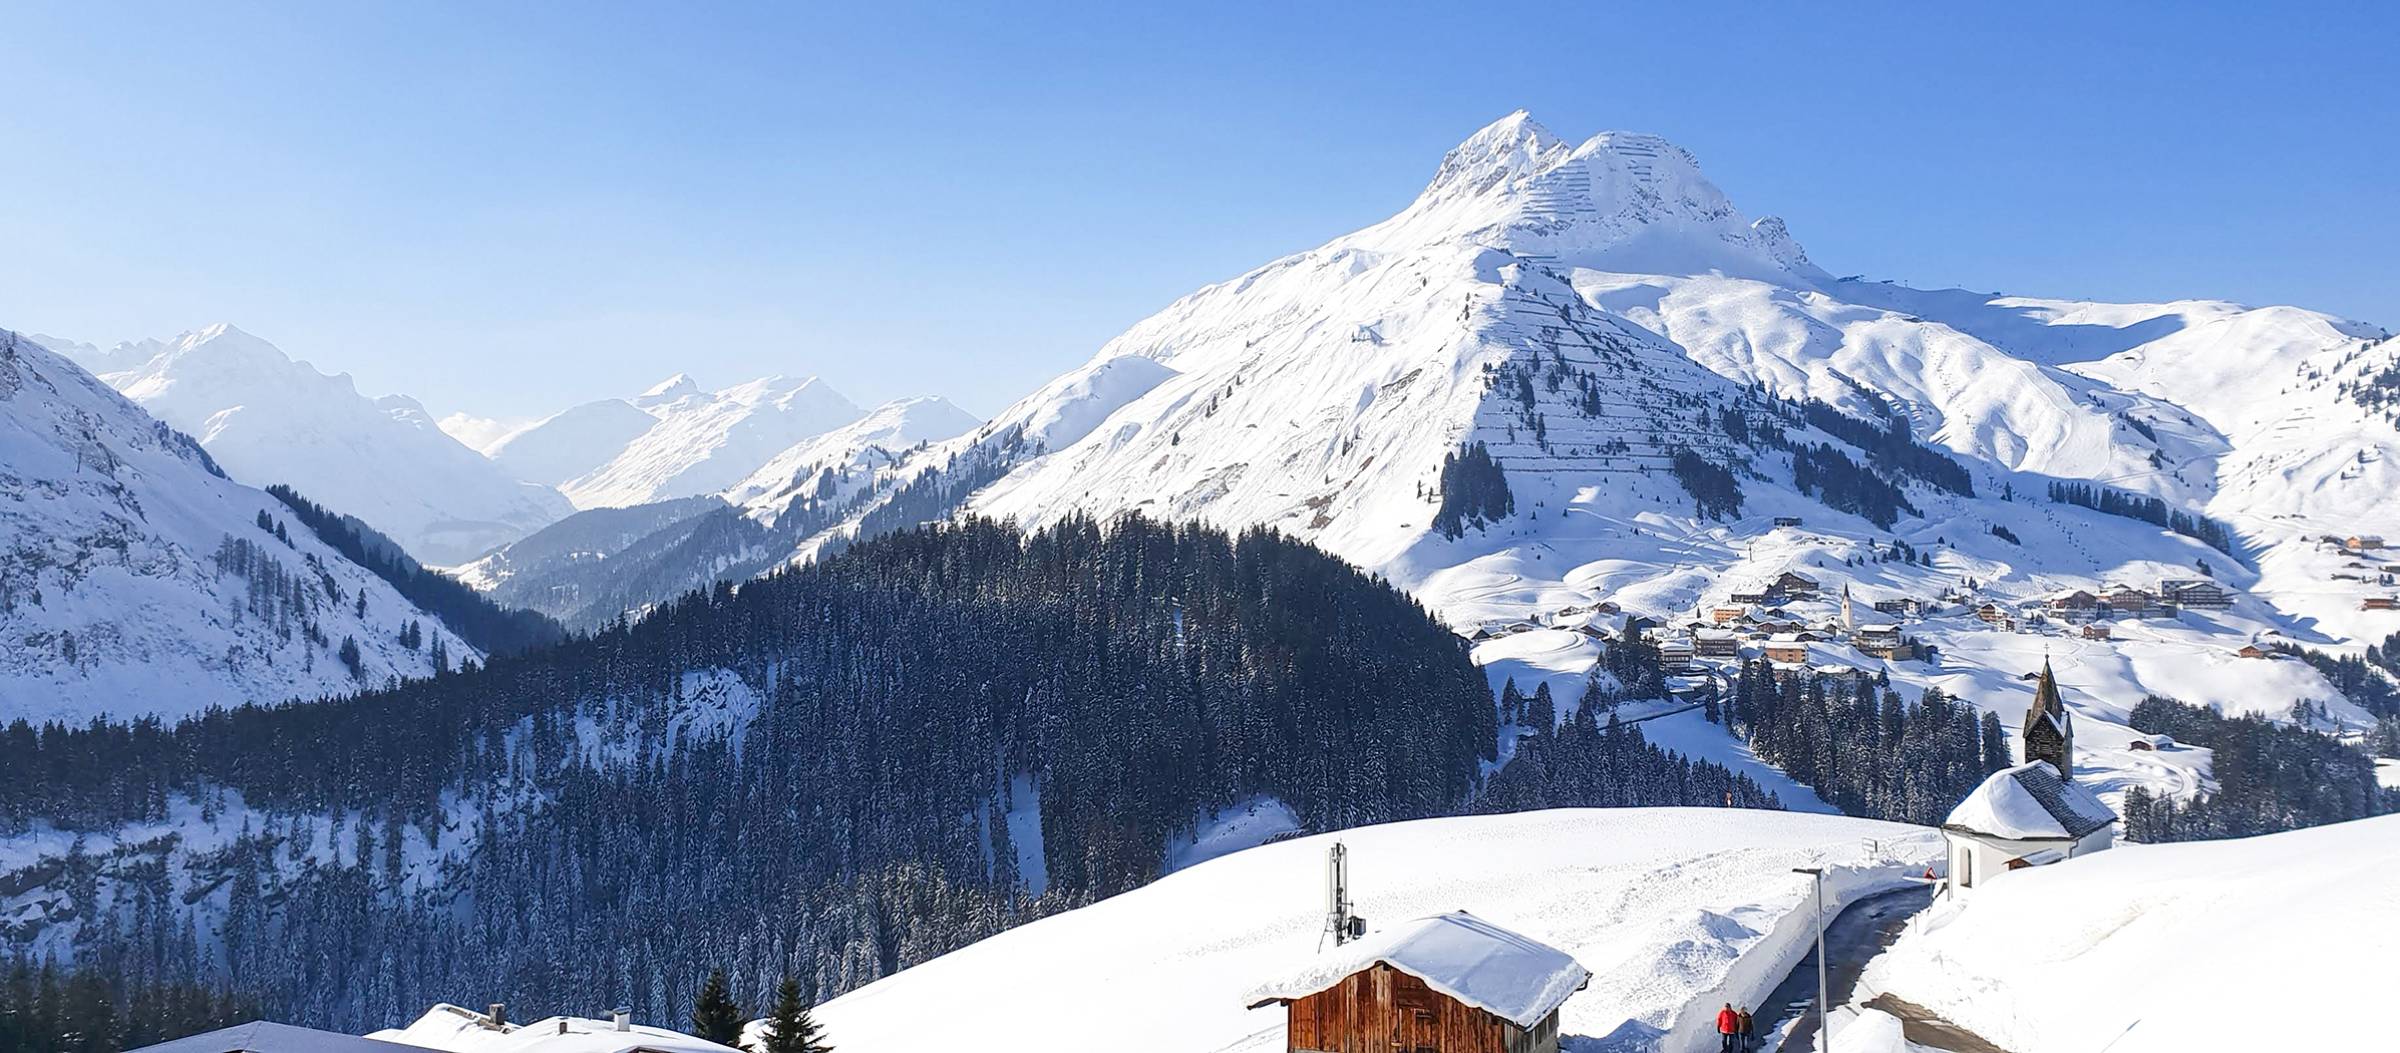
(1716, 643)
(1787, 649)
(1723, 615)
(2198, 593)
(1676, 652)
(2379, 603)
(2024, 816)
(2254, 651)
(2362, 542)
(1452, 983)
(2077, 600)
(1783, 521)
(2095, 631)
(1994, 614)
(2126, 599)
(2151, 743)
(1795, 584)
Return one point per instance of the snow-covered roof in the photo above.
(456, 1030)
(2030, 803)
(1514, 977)
(261, 1036)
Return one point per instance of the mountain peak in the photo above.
(674, 388)
(1637, 198)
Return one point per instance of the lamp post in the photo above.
(1817, 875)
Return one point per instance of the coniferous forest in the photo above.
(814, 774)
(1864, 749)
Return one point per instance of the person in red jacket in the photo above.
(1729, 1029)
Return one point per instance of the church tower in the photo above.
(1849, 620)
(2049, 728)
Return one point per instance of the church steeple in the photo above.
(1849, 621)
(2049, 732)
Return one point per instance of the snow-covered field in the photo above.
(2285, 942)
(1674, 911)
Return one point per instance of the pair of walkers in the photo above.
(1734, 1033)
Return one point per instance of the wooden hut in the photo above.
(1452, 983)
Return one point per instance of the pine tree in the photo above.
(714, 1015)
(790, 1027)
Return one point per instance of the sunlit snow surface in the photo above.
(2287, 941)
(1658, 903)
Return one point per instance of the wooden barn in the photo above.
(1453, 983)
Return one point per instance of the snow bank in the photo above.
(1672, 909)
(2269, 942)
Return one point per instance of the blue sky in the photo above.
(509, 208)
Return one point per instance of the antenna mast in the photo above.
(1339, 921)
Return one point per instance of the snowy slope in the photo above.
(2286, 941)
(1673, 910)
(699, 442)
(116, 591)
(269, 419)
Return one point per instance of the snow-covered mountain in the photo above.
(135, 578)
(1593, 313)
(832, 466)
(270, 419)
(674, 440)
(591, 566)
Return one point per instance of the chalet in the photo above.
(1452, 983)
(2254, 651)
(1755, 595)
(1795, 584)
(1994, 614)
(2379, 603)
(2023, 816)
(2151, 743)
(2095, 631)
(2197, 593)
(2362, 542)
(1722, 615)
(1782, 521)
(1716, 643)
(1787, 648)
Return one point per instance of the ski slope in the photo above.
(2289, 941)
(1674, 911)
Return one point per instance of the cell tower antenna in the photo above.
(1340, 923)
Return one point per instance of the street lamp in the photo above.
(1817, 874)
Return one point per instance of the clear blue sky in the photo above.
(507, 208)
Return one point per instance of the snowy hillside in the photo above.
(1593, 313)
(1673, 910)
(136, 579)
(694, 442)
(269, 419)
(2275, 942)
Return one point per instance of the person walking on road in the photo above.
(1729, 1029)
(1749, 1038)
